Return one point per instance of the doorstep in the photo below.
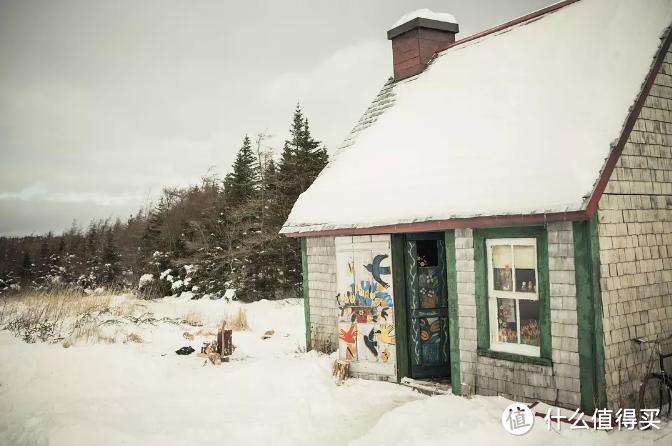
(429, 387)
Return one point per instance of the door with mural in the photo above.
(427, 297)
(366, 307)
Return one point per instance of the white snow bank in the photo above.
(517, 122)
(478, 421)
(425, 14)
(145, 394)
(145, 279)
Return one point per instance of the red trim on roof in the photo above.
(442, 225)
(514, 22)
(617, 150)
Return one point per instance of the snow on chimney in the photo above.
(416, 37)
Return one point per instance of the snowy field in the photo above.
(97, 393)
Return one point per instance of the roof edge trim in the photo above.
(442, 225)
(533, 15)
(629, 124)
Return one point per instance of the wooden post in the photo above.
(341, 370)
(228, 343)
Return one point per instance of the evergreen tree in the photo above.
(301, 162)
(91, 242)
(45, 254)
(241, 183)
(110, 255)
(110, 258)
(26, 266)
(151, 236)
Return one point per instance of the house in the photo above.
(502, 213)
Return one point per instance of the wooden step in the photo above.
(428, 387)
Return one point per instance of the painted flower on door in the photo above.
(367, 302)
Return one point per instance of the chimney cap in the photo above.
(424, 18)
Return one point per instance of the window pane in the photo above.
(506, 320)
(529, 322)
(524, 256)
(526, 280)
(428, 253)
(501, 268)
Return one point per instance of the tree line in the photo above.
(205, 239)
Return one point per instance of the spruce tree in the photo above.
(241, 183)
(110, 258)
(26, 266)
(91, 243)
(301, 162)
(151, 236)
(45, 254)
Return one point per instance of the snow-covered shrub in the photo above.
(151, 288)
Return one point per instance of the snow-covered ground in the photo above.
(269, 394)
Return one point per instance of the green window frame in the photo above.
(481, 236)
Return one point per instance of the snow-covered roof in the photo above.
(425, 14)
(519, 121)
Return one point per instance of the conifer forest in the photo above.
(220, 234)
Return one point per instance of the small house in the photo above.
(501, 215)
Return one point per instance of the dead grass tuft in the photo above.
(193, 318)
(65, 315)
(206, 332)
(38, 316)
(237, 321)
(134, 338)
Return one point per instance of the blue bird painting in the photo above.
(377, 270)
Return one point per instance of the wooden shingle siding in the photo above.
(466, 307)
(321, 259)
(556, 384)
(635, 236)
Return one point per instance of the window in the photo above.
(513, 296)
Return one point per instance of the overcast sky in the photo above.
(103, 103)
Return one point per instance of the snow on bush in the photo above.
(144, 280)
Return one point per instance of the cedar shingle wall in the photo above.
(321, 253)
(558, 384)
(635, 235)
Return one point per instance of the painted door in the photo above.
(429, 350)
(365, 302)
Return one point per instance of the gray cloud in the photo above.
(103, 102)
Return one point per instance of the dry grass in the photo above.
(237, 321)
(65, 315)
(134, 338)
(193, 318)
(42, 317)
(102, 339)
(206, 332)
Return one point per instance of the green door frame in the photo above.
(401, 306)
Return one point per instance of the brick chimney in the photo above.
(416, 37)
